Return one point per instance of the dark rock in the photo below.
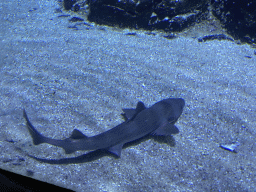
(87, 24)
(76, 8)
(150, 33)
(131, 34)
(147, 14)
(113, 12)
(76, 19)
(170, 36)
(73, 27)
(238, 17)
(214, 37)
(68, 4)
(63, 15)
(177, 15)
(9, 140)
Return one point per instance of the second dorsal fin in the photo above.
(76, 134)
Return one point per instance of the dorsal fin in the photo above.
(131, 113)
(76, 134)
(140, 107)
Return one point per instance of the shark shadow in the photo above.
(98, 154)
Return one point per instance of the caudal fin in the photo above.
(36, 136)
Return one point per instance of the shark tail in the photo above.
(68, 144)
(37, 137)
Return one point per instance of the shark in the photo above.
(159, 119)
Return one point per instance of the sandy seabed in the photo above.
(67, 78)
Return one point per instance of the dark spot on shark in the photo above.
(157, 120)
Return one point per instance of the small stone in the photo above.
(230, 147)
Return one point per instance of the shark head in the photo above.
(172, 108)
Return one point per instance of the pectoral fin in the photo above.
(166, 130)
(116, 149)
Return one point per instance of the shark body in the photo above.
(159, 119)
